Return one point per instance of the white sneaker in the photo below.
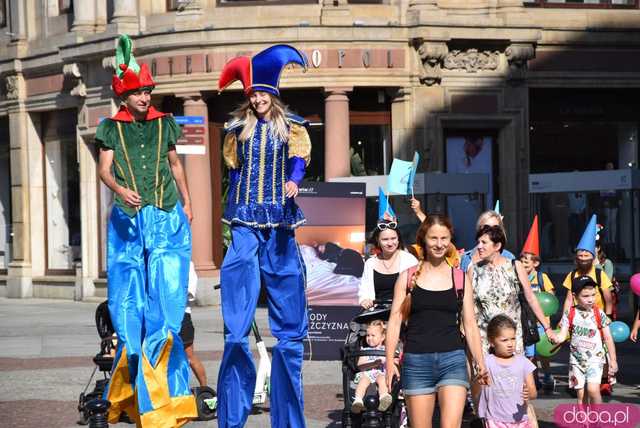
(385, 402)
(357, 406)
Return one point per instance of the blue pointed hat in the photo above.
(385, 211)
(588, 240)
(262, 71)
(497, 207)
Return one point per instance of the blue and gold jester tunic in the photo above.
(259, 168)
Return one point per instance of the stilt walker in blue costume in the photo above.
(267, 150)
(148, 253)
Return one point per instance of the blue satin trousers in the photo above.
(148, 267)
(269, 257)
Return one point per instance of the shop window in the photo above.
(370, 145)
(583, 3)
(62, 192)
(65, 6)
(370, 132)
(3, 13)
(5, 195)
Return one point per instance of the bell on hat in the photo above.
(588, 240)
(129, 75)
(385, 210)
(532, 244)
(262, 71)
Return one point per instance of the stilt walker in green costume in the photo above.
(148, 253)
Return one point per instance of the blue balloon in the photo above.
(619, 331)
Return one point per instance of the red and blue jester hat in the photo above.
(262, 71)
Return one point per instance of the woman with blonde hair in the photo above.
(266, 149)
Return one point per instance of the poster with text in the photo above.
(331, 245)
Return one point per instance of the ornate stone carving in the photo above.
(15, 86)
(472, 60)
(518, 55)
(109, 63)
(431, 55)
(73, 75)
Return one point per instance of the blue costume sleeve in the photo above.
(296, 167)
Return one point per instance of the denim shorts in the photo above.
(425, 373)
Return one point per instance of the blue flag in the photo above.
(385, 211)
(402, 176)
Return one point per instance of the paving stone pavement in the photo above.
(46, 350)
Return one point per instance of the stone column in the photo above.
(89, 214)
(125, 15)
(19, 272)
(17, 14)
(198, 172)
(84, 16)
(190, 16)
(101, 16)
(336, 12)
(337, 159)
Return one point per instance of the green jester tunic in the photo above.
(140, 160)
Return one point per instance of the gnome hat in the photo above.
(385, 211)
(588, 240)
(262, 71)
(532, 244)
(129, 75)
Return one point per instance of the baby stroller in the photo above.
(394, 416)
(104, 362)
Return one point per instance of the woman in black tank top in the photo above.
(433, 303)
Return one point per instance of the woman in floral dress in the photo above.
(495, 286)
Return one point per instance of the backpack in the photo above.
(596, 314)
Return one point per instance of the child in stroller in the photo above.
(367, 402)
(372, 369)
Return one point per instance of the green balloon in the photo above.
(545, 348)
(548, 302)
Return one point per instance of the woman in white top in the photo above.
(381, 270)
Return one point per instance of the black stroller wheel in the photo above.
(203, 394)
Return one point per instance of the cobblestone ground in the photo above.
(46, 350)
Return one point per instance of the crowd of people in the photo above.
(464, 318)
(458, 320)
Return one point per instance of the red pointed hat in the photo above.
(532, 244)
(129, 75)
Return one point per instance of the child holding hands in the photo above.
(591, 342)
(503, 403)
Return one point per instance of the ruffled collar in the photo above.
(124, 115)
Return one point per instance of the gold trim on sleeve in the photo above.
(299, 143)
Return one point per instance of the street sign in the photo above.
(192, 140)
(189, 120)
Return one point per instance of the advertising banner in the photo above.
(332, 245)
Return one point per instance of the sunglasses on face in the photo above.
(390, 225)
